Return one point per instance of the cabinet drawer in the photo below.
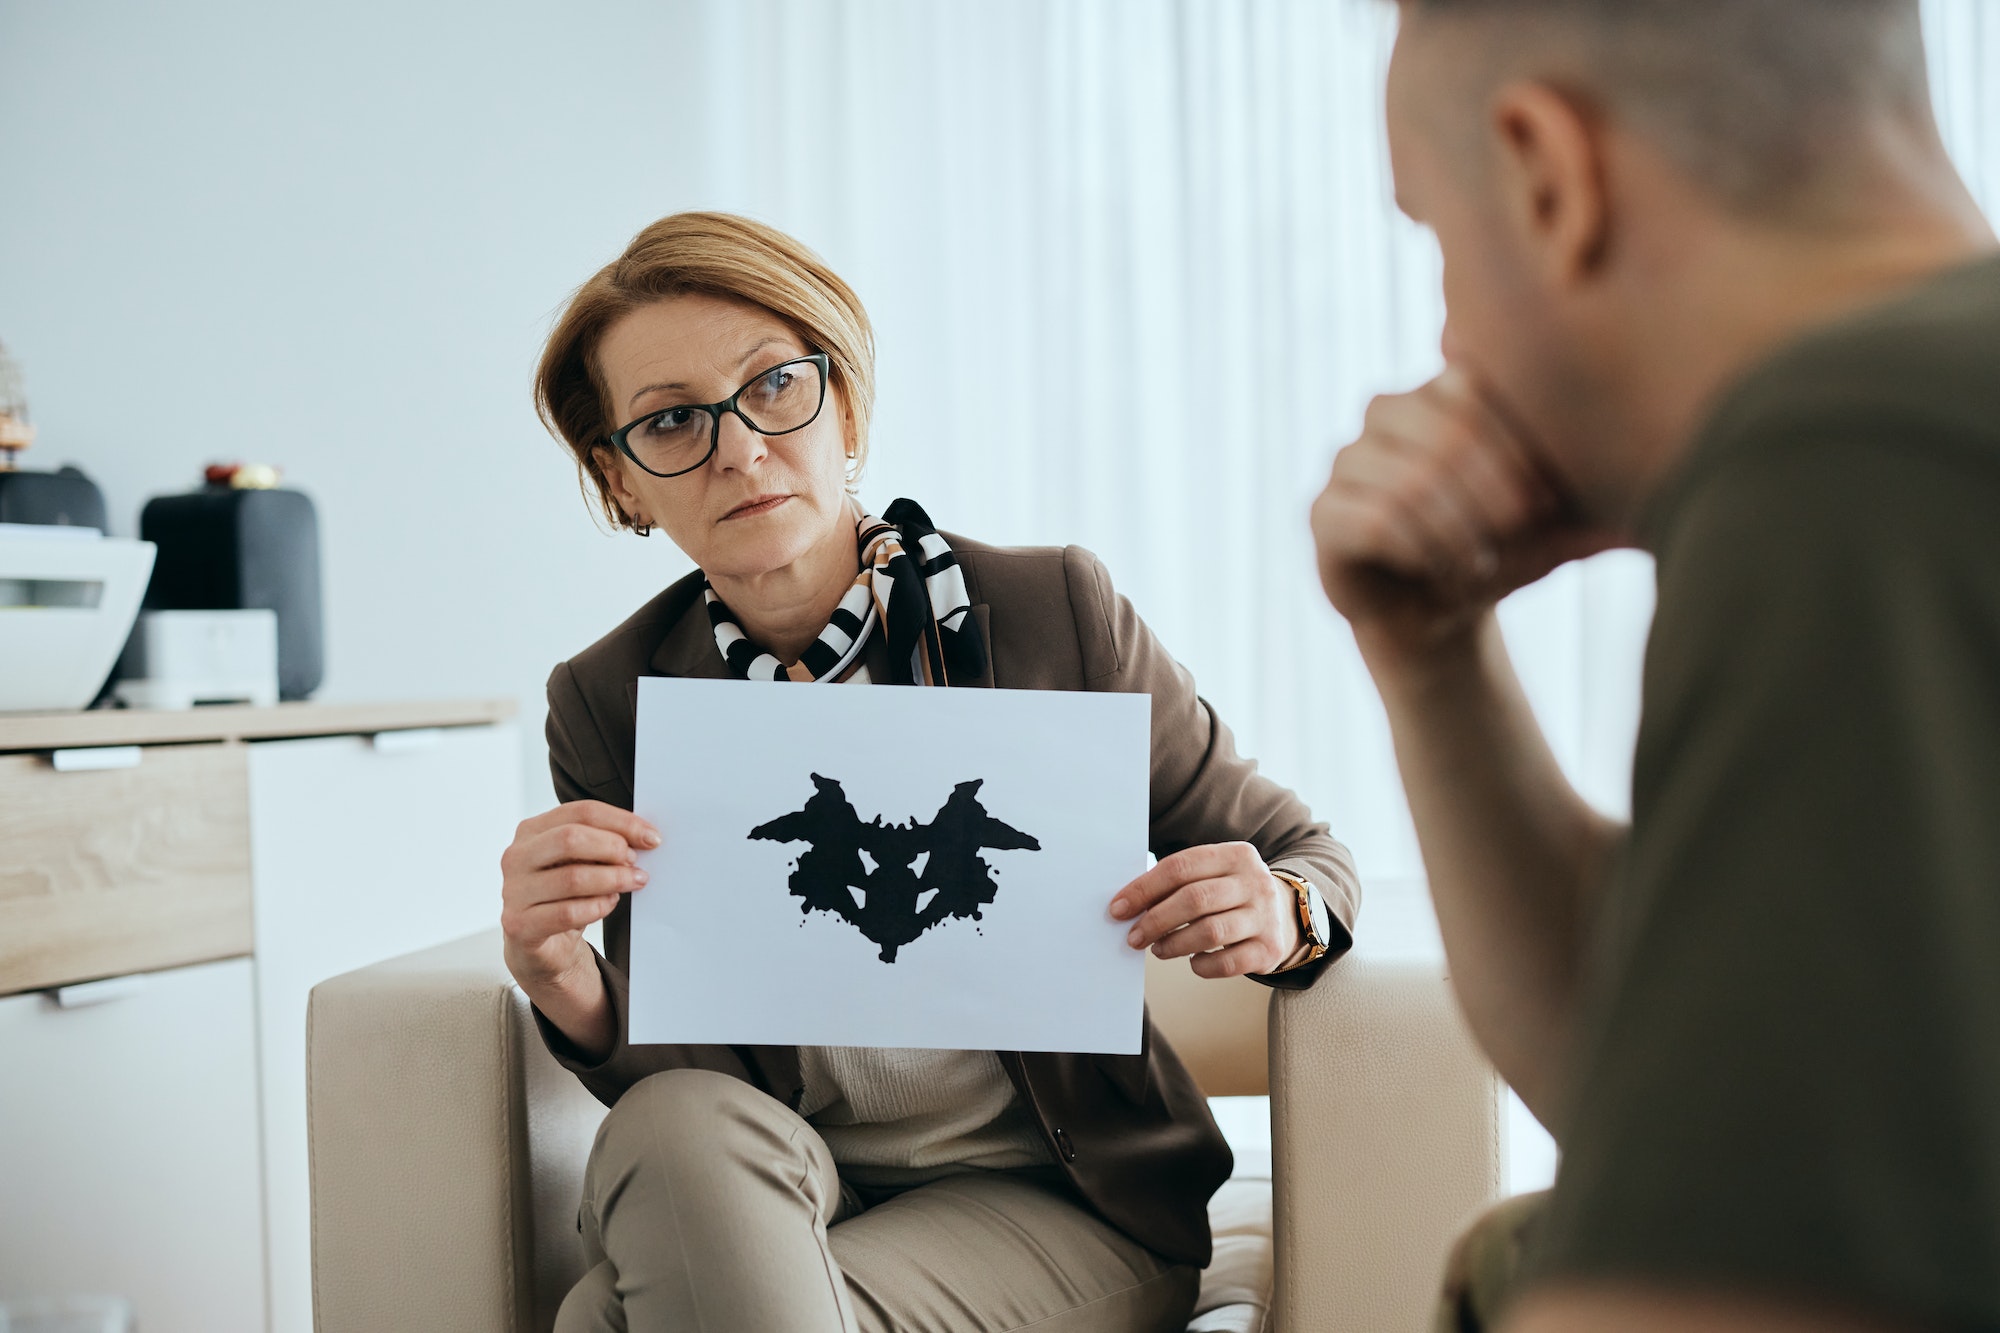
(128, 1150)
(122, 870)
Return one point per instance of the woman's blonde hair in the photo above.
(718, 254)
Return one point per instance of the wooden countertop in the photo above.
(145, 726)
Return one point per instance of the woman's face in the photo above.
(763, 501)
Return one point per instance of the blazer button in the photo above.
(1065, 1147)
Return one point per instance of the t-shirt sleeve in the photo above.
(1788, 1076)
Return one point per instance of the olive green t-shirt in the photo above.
(1787, 1079)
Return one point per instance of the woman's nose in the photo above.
(738, 447)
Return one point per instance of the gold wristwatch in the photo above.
(1315, 922)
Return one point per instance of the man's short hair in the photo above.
(1754, 98)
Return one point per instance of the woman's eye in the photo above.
(776, 382)
(673, 421)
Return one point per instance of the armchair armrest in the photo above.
(447, 1149)
(1385, 1123)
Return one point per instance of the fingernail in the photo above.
(1121, 908)
(1132, 937)
(652, 838)
(639, 877)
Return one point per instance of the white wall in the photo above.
(331, 239)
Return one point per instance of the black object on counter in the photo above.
(227, 550)
(65, 498)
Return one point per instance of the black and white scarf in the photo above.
(909, 588)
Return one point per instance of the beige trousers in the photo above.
(709, 1207)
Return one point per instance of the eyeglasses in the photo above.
(675, 441)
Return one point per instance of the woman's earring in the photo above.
(639, 525)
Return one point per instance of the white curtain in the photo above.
(1135, 272)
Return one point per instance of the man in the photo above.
(1714, 289)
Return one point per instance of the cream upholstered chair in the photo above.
(448, 1147)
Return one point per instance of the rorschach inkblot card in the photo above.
(888, 867)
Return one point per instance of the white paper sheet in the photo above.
(725, 949)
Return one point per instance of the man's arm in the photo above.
(1513, 855)
(1435, 513)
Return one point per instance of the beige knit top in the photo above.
(897, 1117)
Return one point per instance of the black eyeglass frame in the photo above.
(715, 411)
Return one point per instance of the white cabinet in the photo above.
(360, 850)
(153, 1144)
(128, 1149)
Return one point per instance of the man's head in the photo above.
(1586, 163)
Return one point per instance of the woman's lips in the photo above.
(763, 504)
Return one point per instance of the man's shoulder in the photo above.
(1908, 390)
(1930, 354)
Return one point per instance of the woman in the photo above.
(715, 381)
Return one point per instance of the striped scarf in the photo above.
(919, 601)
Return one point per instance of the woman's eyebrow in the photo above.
(678, 387)
(774, 338)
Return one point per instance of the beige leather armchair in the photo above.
(448, 1148)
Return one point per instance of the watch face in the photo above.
(1322, 920)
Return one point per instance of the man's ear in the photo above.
(1551, 173)
(612, 465)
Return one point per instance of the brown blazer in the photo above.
(1132, 1132)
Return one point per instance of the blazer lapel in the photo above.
(689, 650)
(978, 612)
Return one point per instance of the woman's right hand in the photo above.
(564, 870)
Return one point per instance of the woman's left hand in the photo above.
(1219, 904)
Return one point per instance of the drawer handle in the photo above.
(96, 757)
(86, 993)
(407, 740)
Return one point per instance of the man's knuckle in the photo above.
(1373, 528)
(1457, 441)
(1426, 480)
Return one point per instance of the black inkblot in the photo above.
(831, 868)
